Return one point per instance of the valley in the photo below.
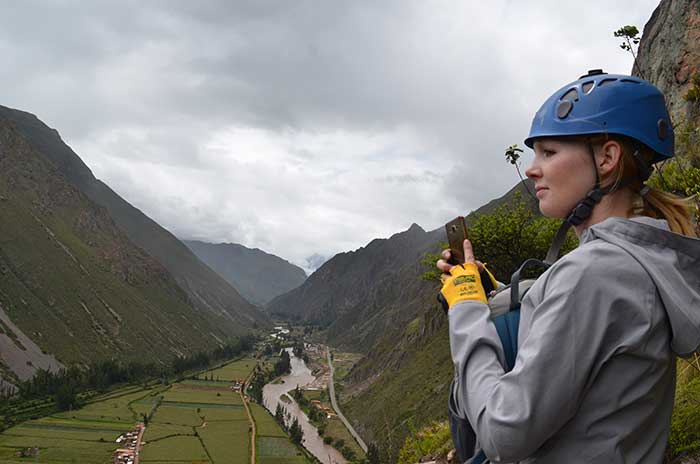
(205, 417)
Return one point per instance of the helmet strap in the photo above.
(584, 208)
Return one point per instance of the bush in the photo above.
(434, 439)
(327, 440)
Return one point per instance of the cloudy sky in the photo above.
(301, 127)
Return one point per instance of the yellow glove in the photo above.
(463, 284)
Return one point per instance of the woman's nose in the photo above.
(533, 171)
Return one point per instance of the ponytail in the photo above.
(675, 210)
(651, 202)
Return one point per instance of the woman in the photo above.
(599, 331)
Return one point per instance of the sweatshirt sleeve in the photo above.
(514, 413)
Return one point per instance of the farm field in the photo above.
(86, 435)
(201, 421)
(236, 370)
(271, 442)
(193, 421)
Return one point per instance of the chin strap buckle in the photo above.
(583, 210)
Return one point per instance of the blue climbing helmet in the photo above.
(600, 103)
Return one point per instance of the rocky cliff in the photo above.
(669, 55)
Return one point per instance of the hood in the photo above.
(673, 262)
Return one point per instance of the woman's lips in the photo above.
(539, 190)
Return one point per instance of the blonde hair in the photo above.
(654, 202)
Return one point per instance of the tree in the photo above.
(279, 414)
(372, 454)
(66, 399)
(284, 365)
(630, 36)
(298, 349)
(295, 432)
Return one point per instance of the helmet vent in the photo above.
(570, 95)
(587, 87)
(631, 81)
(662, 126)
(564, 108)
(606, 82)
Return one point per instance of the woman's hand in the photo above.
(445, 267)
(461, 282)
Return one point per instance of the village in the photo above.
(130, 444)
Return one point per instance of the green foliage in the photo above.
(512, 234)
(295, 432)
(372, 454)
(429, 260)
(630, 34)
(513, 154)
(505, 238)
(631, 39)
(283, 366)
(693, 94)
(434, 440)
(681, 174)
(685, 423)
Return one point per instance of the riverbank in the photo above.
(300, 376)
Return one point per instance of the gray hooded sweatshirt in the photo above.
(594, 378)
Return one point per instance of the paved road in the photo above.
(331, 387)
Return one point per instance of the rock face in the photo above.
(669, 54)
(258, 276)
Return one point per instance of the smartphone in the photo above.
(456, 234)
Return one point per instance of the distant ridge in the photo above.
(258, 276)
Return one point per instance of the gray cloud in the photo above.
(301, 127)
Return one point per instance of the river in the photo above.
(300, 375)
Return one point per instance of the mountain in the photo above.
(258, 276)
(357, 296)
(206, 290)
(74, 288)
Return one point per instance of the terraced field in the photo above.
(86, 436)
(193, 421)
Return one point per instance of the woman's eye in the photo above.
(548, 153)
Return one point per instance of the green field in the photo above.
(175, 415)
(156, 431)
(188, 394)
(115, 408)
(236, 370)
(227, 442)
(85, 435)
(277, 450)
(194, 421)
(174, 449)
(62, 440)
(265, 424)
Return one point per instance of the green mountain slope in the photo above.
(206, 289)
(258, 276)
(74, 283)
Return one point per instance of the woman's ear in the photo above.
(609, 157)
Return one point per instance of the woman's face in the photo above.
(563, 172)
